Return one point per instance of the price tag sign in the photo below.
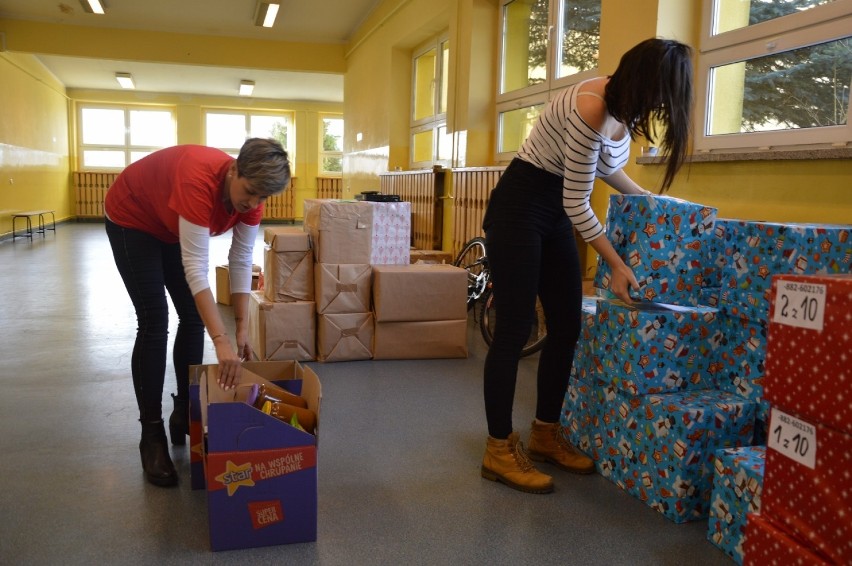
(800, 304)
(793, 437)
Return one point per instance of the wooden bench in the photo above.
(28, 217)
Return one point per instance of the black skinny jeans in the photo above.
(148, 268)
(531, 249)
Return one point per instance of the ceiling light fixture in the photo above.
(265, 13)
(125, 80)
(93, 6)
(246, 88)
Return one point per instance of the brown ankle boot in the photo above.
(505, 461)
(548, 445)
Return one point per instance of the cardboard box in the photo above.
(359, 231)
(806, 369)
(289, 265)
(431, 256)
(580, 419)
(665, 242)
(343, 288)
(261, 473)
(223, 282)
(737, 487)
(345, 336)
(652, 347)
(282, 331)
(660, 448)
(420, 340)
(810, 500)
(755, 251)
(583, 367)
(739, 363)
(404, 293)
(768, 545)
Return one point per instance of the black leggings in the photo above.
(148, 268)
(531, 249)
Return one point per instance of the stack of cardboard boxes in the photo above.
(656, 390)
(282, 316)
(806, 512)
(641, 400)
(420, 311)
(737, 491)
(349, 238)
(344, 288)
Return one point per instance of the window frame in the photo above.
(793, 31)
(248, 114)
(536, 94)
(437, 120)
(127, 148)
(322, 152)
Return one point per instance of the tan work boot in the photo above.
(548, 445)
(505, 461)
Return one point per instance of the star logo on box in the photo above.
(236, 476)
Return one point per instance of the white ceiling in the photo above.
(318, 21)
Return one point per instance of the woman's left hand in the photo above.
(244, 350)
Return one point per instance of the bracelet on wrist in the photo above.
(218, 336)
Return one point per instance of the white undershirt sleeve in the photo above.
(195, 253)
(240, 257)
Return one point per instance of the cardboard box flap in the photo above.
(345, 337)
(343, 288)
(234, 425)
(286, 239)
(289, 275)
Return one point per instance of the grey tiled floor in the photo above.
(399, 456)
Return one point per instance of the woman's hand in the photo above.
(244, 350)
(623, 279)
(230, 364)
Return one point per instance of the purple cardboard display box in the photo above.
(260, 473)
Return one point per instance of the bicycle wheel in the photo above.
(472, 258)
(488, 318)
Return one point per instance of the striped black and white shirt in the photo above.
(563, 144)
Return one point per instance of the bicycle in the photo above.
(474, 259)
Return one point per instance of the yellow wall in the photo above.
(378, 83)
(35, 152)
(377, 86)
(34, 170)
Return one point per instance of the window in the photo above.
(546, 45)
(430, 142)
(331, 146)
(774, 73)
(112, 137)
(229, 130)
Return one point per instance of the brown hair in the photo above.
(653, 82)
(265, 164)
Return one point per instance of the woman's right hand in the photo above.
(230, 365)
(623, 279)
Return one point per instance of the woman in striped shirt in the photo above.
(584, 133)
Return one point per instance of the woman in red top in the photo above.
(160, 214)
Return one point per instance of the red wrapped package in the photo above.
(809, 348)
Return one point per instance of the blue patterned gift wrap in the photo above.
(664, 241)
(740, 360)
(587, 343)
(737, 486)
(659, 448)
(755, 251)
(651, 347)
(580, 420)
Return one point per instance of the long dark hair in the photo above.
(653, 81)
